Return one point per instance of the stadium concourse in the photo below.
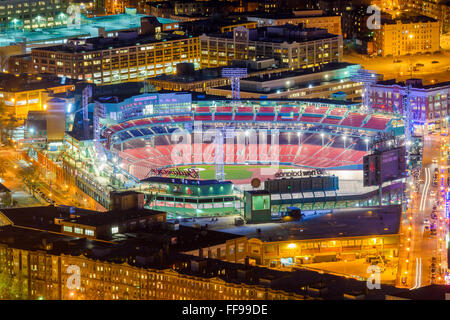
(313, 133)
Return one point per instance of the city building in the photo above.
(407, 35)
(106, 26)
(32, 14)
(216, 24)
(22, 93)
(430, 292)
(316, 82)
(158, 9)
(151, 263)
(20, 63)
(321, 241)
(430, 103)
(127, 57)
(188, 79)
(335, 6)
(309, 18)
(290, 46)
(436, 9)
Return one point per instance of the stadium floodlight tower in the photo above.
(408, 119)
(235, 74)
(367, 78)
(85, 95)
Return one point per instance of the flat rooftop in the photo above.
(340, 223)
(105, 218)
(431, 292)
(208, 73)
(101, 43)
(407, 19)
(279, 34)
(416, 85)
(287, 15)
(88, 28)
(332, 66)
(24, 82)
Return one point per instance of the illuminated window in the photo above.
(114, 230)
(67, 229)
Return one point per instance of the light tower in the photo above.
(367, 78)
(408, 118)
(85, 95)
(235, 74)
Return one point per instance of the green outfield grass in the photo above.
(232, 172)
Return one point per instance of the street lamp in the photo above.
(345, 138)
(322, 135)
(367, 144)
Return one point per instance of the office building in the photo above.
(113, 60)
(291, 46)
(309, 18)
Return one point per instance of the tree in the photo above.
(18, 287)
(29, 175)
(3, 166)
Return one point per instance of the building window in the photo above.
(89, 232)
(114, 230)
(78, 230)
(67, 229)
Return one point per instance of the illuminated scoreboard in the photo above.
(384, 166)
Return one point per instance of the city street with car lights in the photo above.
(423, 252)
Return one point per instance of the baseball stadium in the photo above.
(196, 155)
(255, 134)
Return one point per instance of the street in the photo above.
(435, 66)
(418, 246)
